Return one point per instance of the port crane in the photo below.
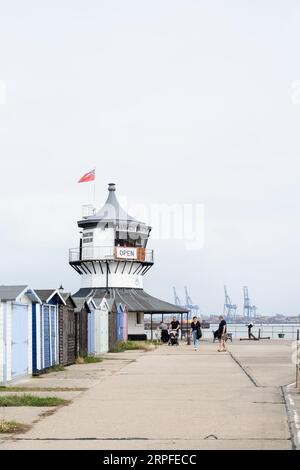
(176, 298)
(249, 308)
(189, 303)
(229, 309)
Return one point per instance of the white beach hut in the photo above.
(16, 331)
(101, 326)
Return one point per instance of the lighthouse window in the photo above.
(87, 240)
(87, 237)
(87, 234)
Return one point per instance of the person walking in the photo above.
(221, 334)
(196, 332)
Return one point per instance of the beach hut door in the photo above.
(19, 359)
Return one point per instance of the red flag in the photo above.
(90, 176)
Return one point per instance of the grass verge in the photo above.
(30, 400)
(122, 346)
(8, 427)
(92, 359)
(88, 360)
(3, 388)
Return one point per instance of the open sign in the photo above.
(126, 253)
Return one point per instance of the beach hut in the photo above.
(68, 337)
(91, 330)
(85, 306)
(125, 323)
(122, 322)
(112, 323)
(16, 304)
(45, 331)
(119, 322)
(101, 326)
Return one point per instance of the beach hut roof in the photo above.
(47, 294)
(136, 300)
(10, 293)
(81, 302)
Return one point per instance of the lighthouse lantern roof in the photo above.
(111, 212)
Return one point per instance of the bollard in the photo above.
(297, 364)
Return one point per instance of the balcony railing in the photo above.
(109, 253)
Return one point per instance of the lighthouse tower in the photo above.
(112, 251)
(112, 259)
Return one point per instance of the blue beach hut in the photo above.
(45, 329)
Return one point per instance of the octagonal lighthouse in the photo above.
(113, 250)
(112, 259)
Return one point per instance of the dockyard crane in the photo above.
(176, 298)
(229, 308)
(249, 308)
(189, 303)
(253, 311)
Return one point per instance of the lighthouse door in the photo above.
(19, 359)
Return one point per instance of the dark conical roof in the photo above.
(111, 211)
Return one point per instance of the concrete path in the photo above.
(176, 398)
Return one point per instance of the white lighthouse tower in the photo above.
(112, 250)
(112, 259)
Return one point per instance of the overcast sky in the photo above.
(188, 101)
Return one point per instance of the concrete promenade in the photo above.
(171, 398)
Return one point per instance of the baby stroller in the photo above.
(173, 338)
(164, 336)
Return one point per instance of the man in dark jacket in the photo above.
(222, 334)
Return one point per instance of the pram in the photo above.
(173, 338)
(164, 336)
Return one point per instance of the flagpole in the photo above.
(94, 190)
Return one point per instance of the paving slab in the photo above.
(268, 362)
(24, 414)
(173, 398)
(207, 444)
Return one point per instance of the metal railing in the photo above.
(107, 253)
(297, 363)
(288, 332)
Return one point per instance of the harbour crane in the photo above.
(249, 308)
(229, 308)
(189, 303)
(176, 298)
